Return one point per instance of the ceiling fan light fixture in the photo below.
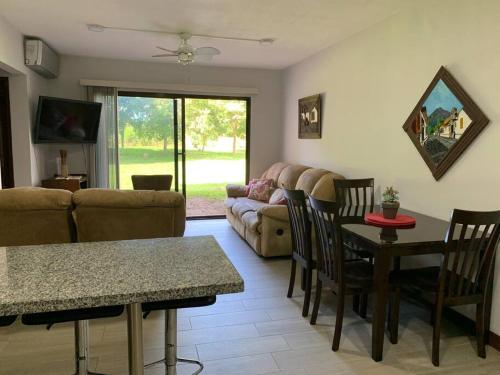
(185, 58)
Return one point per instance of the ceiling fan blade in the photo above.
(209, 51)
(167, 50)
(204, 58)
(165, 55)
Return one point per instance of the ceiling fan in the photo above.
(186, 53)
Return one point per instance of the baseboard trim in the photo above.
(494, 341)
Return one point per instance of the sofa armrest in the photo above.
(275, 211)
(236, 191)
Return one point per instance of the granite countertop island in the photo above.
(70, 276)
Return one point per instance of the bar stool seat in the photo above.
(50, 318)
(7, 320)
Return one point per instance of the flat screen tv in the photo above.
(66, 121)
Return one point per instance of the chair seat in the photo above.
(358, 274)
(7, 320)
(71, 315)
(179, 303)
(354, 251)
(425, 279)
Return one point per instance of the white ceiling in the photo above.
(300, 27)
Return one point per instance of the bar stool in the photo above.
(170, 360)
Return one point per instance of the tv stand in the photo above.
(72, 183)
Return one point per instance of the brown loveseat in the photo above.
(88, 215)
(266, 227)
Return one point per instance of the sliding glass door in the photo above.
(216, 152)
(146, 137)
(201, 141)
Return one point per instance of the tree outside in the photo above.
(215, 146)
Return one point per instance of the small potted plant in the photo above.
(390, 202)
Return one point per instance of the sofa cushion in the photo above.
(278, 197)
(229, 202)
(261, 190)
(127, 198)
(111, 215)
(290, 175)
(35, 198)
(274, 171)
(243, 205)
(251, 220)
(324, 187)
(35, 216)
(309, 179)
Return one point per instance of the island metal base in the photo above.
(171, 358)
(82, 344)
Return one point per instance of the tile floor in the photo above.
(258, 331)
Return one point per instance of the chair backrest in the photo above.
(300, 224)
(152, 182)
(329, 239)
(469, 256)
(35, 216)
(357, 192)
(111, 215)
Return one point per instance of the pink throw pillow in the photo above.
(261, 190)
(278, 197)
(252, 181)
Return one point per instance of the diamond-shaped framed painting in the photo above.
(444, 123)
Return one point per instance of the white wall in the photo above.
(371, 82)
(265, 110)
(24, 88)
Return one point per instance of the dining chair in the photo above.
(355, 192)
(344, 278)
(301, 232)
(465, 276)
(152, 182)
(104, 215)
(354, 198)
(36, 216)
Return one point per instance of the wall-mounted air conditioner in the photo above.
(39, 57)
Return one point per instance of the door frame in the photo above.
(182, 125)
(6, 159)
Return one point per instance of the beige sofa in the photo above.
(266, 227)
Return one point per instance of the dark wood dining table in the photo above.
(388, 245)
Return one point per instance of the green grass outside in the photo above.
(148, 155)
(207, 172)
(213, 191)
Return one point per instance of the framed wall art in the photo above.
(310, 117)
(444, 123)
